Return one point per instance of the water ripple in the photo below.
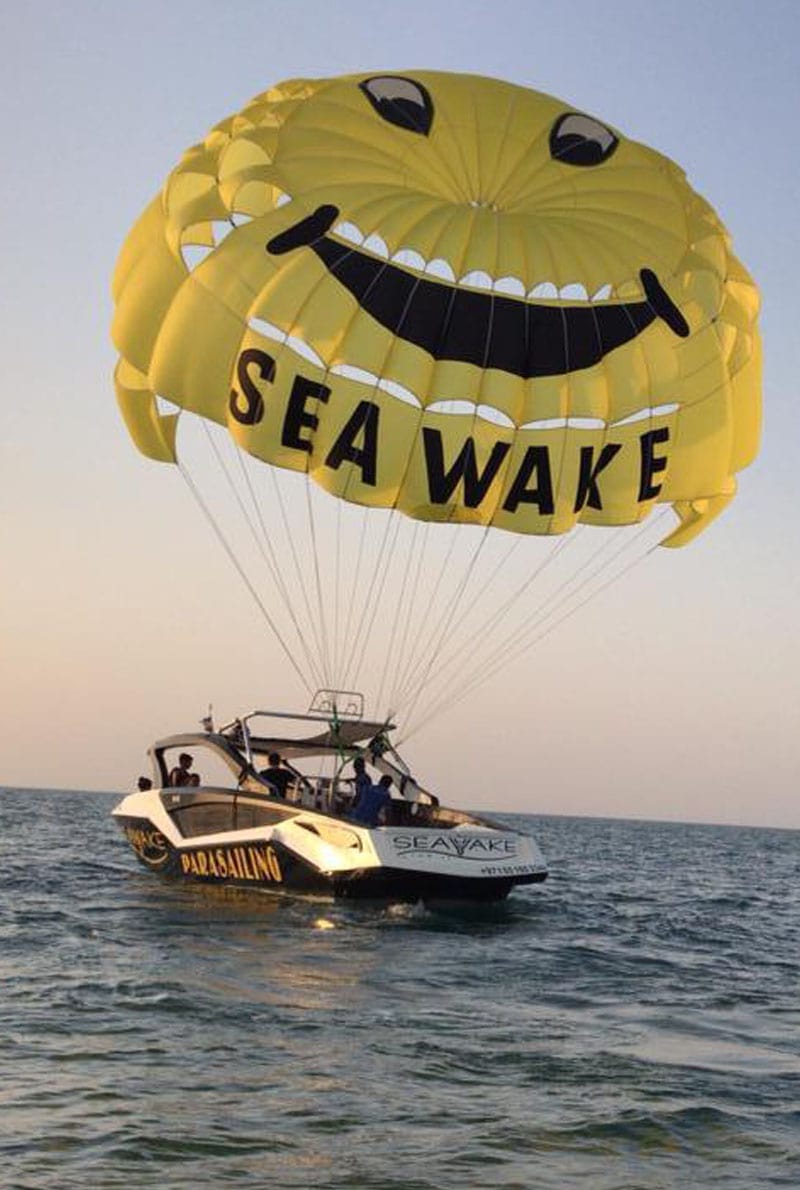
(632, 1023)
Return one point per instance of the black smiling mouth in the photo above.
(490, 330)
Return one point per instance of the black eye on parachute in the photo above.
(400, 101)
(581, 140)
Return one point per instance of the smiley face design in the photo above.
(450, 295)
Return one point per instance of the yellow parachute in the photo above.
(448, 296)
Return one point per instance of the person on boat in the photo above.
(143, 784)
(361, 781)
(371, 805)
(279, 778)
(181, 774)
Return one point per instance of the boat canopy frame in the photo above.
(346, 737)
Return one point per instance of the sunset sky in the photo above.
(674, 694)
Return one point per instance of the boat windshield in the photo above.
(207, 766)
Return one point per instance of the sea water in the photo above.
(631, 1023)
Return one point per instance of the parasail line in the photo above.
(402, 587)
(352, 600)
(417, 655)
(361, 620)
(513, 647)
(383, 570)
(539, 614)
(482, 630)
(275, 568)
(299, 572)
(246, 516)
(320, 604)
(410, 611)
(221, 538)
(336, 590)
(464, 692)
(449, 615)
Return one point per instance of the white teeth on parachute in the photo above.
(544, 290)
(470, 409)
(409, 258)
(477, 279)
(510, 285)
(349, 231)
(645, 414)
(194, 254)
(369, 378)
(270, 331)
(376, 246)
(440, 268)
(221, 228)
(574, 292)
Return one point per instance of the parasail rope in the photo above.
(365, 607)
(484, 630)
(506, 649)
(336, 581)
(270, 562)
(399, 606)
(447, 620)
(223, 542)
(411, 612)
(513, 646)
(301, 579)
(274, 565)
(352, 601)
(416, 656)
(383, 571)
(320, 603)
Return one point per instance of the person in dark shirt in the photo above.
(181, 775)
(279, 778)
(372, 803)
(361, 781)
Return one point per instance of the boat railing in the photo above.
(337, 704)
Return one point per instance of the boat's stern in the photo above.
(472, 852)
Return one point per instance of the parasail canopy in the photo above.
(447, 296)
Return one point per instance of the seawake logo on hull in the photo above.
(479, 848)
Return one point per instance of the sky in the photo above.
(673, 695)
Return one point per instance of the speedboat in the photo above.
(226, 822)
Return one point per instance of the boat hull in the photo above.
(268, 863)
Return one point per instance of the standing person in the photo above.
(371, 806)
(361, 782)
(279, 778)
(181, 774)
